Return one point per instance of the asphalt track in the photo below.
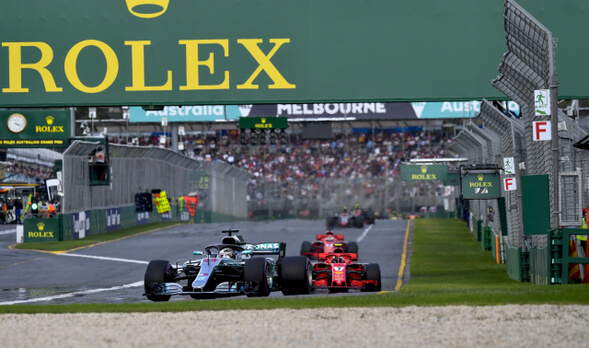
(113, 272)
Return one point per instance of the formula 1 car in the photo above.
(229, 269)
(344, 219)
(327, 243)
(340, 272)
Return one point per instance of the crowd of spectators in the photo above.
(25, 172)
(358, 161)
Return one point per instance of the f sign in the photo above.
(510, 184)
(541, 130)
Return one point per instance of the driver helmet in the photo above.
(226, 253)
(345, 209)
(357, 206)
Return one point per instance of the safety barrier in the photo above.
(85, 223)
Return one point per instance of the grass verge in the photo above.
(448, 267)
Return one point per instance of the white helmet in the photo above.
(226, 253)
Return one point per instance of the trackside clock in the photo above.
(16, 123)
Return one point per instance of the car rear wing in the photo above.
(335, 236)
(324, 256)
(267, 248)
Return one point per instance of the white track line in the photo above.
(105, 258)
(72, 294)
(8, 232)
(364, 234)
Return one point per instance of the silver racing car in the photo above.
(231, 268)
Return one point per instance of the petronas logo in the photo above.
(147, 8)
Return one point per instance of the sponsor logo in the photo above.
(262, 246)
(40, 234)
(49, 128)
(137, 7)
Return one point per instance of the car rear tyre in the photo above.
(353, 247)
(331, 222)
(156, 274)
(373, 273)
(306, 247)
(296, 275)
(258, 273)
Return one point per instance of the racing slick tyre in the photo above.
(331, 222)
(258, 273)
(306, 247)
(296, 274)
(373, 273)
(156, 274)
(353, 247)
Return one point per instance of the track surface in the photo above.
(113, 272)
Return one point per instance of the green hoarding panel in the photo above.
(453, 179)
(502, 215)
(535, 204)
(481, 185)
(155, 52)
(420, 172)
(263, 122)
(35, 128)
(42, 230)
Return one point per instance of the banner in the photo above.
(35, 128)
(481, 185)
(421, 172)
(113, 219)
(190, 52)
(317, 111)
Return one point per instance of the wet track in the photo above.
(113, 272)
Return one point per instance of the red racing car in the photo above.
(327, 243)
(340, 272)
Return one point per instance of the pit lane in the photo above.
(113, 272)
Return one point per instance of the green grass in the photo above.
(448, 267)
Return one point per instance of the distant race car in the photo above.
(340, 272)
(344, 219)
(327, 243)
(231, 268)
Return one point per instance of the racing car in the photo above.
(340, 272)
(327, 243)
(345, 219)
(230, 268)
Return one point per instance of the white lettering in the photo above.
(282, 108)
(318, 109)
(447, 107)
(331, 108)
(296, 109)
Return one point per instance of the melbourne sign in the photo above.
(234, 52)
(315, 111)
(35, 128)
(420, 172)
(481, 185)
